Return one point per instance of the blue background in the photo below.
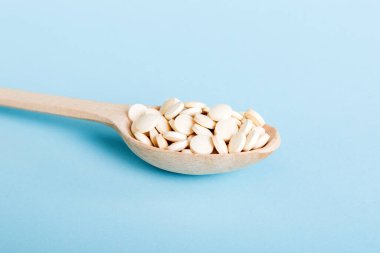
(310, 67)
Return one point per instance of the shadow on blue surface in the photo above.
(101, 136)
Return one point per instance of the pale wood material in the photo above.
(115, 115)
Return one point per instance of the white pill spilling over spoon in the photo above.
(168, 136)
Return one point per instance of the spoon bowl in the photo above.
(199, 164)
(115, 115)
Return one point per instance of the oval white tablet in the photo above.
(174, 110)
(188, 151)
(183, 123)
(174, 136)
(219, 144)
(260, 130)
(171, 123)
(192, 111)
(255, 117)
(135, 111)
(190, 136)
(146, 122)
(143, 138)
(262, 141)
(226, 128)
(204, 120)
(200, 130)
(237, 115)
(195, 104)
(238, 122)
(237, 143)
(162, 125)
(252, 139)
(201, 144)
(220, 112)
(152, 136)
(246, 127)
(152, 110)
(178, 146)
(161, 142)
(165, 106)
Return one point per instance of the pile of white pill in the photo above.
(192, 127)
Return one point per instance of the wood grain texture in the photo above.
(69, 107)
(115, 115)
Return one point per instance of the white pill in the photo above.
(252, 139)
(220, 112)
(152, 110)
(174, 136)
(260, 130)
(190, 136)
(192, 111)
(219, 130)
(171, 123)
(262, 141)
(183, 124)
(186, 150)
(246, 127)
(165, 106)
(178, 146)
(195, 104)
(161, 142)
(255, 117)
(238, 122)
(237, 143)
(204, 120)
(162, 125)
(219, 144)
(143, 138)
(226, 128)
(135, 111)
(152, 136)
(146, 122)
(174, 110)
(200, 130)
(237, 115)
(201, 144)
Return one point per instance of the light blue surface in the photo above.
(310, 67)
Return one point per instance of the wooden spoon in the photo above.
(115, 115)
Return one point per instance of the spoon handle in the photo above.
(69, 107)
